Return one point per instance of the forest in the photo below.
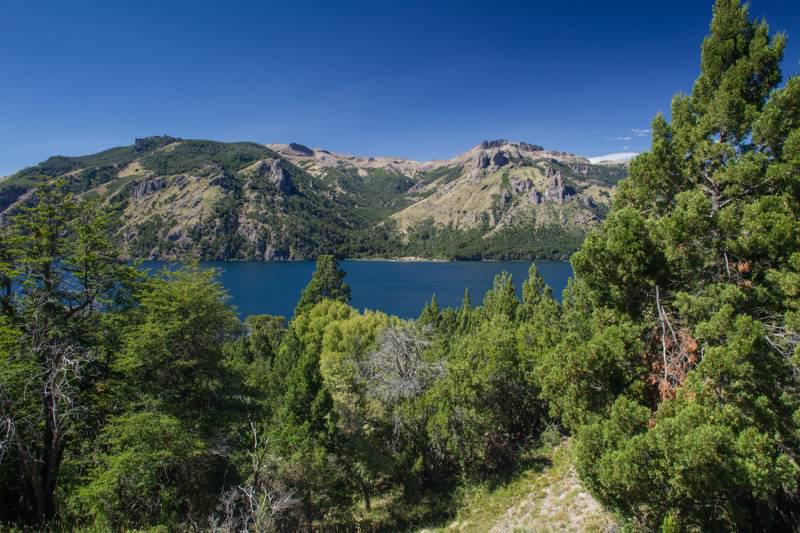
(672, 365)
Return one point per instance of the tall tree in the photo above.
(327, 283)
(676, 367)
(60, 271)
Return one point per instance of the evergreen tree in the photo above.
(675, 367)
(327, 282)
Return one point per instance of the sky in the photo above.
(418, 79)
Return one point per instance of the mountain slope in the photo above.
(176, 198)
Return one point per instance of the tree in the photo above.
(173, 352)
(675, 368)
(60, 272)
(327, 283)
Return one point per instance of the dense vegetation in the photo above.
(132, 402)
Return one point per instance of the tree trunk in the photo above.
(365, 495)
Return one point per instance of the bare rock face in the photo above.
(555, 185)
(148, 187)
(482, 161)
(280, 178)
(521, 185)
(535, 197)
(499, 159)
(275, 174)
(300, 149)
(580, 169)
(530, 147)
(506, 199)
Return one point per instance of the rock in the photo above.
(499, 143)
(521, 185)
(300, 149)
(555, 185)
(580, 169)
(530, 147)
(506, 199)
(535, 197)
(500, 159)
(482, 161)
(280, 178)
(224, 182)
(276, 175)
(148, 187)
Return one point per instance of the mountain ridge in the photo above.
(179, 198)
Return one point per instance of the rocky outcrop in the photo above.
(580, 169)
(524, 186)
(275, 174)
(148, 187)
(555, 185)
(521, 185)
(280, 177)
(500, 159)
(482, 161)
(300, 149)
(499, 143)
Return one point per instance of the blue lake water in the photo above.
(397, 288)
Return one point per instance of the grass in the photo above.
(545, 496)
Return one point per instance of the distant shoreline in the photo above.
(405, 259)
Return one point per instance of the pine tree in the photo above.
(676, 370)
(327, 282)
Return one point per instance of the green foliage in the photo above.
(519, 241)
(146, 474)
(327, 283)
(173, 353)
(675, 366)
(190, 155)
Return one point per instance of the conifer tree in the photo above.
(676, 369)
(327, 282)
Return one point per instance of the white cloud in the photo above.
(640, 132)
(618, 157)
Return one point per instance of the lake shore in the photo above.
(405, 259)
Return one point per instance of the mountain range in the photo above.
(175, 198)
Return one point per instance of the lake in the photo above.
(394, 287)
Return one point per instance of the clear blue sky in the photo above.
(420, 79)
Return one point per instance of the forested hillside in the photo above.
(173, 198)
(668, 377)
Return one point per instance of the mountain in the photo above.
(176, 198)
